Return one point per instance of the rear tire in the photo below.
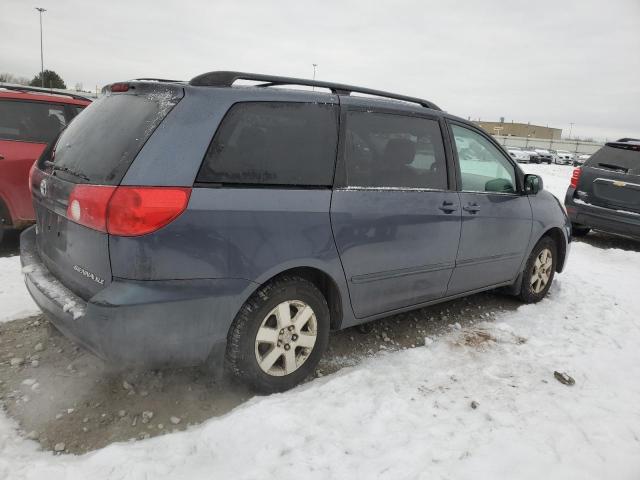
(579, 231)
(539, 272)
(279, 335)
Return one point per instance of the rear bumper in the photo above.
(600, 218)
(146, 323)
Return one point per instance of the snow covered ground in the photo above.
(409, 414)
(15, 301)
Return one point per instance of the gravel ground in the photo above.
(69, 400)
(72, 402)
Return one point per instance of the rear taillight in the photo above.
(126, 211)
(31, 174)
(139, 210)
(575, 177)
(88, 205)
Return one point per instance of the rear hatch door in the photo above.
(96, 149)
(611, 177)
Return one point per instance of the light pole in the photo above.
(571, 129)
(315, 65)
(41, 11)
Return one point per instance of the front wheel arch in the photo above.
(557, 235)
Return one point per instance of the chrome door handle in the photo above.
(448, 207)
(471, 208)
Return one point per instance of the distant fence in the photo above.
(575, 146)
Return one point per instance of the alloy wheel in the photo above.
(541, 270)
(286, 338)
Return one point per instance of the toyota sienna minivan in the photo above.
(183, 223)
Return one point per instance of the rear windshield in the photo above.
(38, 122)
(615, 158)
(101, 144)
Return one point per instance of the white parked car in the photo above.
(563, 157)
(519, 155)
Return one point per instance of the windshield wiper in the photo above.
(71, 172)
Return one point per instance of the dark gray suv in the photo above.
(604, 193)
(182, 223)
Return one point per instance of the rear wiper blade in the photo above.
(613, 167)
(60, 168)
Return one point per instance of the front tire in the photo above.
(279, 335)
(539, 271)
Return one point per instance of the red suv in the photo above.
(29, 120)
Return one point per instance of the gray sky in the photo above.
(548, 62)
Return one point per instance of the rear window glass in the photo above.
(274, 143)
(615, 158)
(32, 121)
(101, 144)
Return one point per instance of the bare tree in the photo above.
(11, 78)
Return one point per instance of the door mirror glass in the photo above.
(532, 184)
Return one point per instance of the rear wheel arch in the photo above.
(5, 214)
(323, 282)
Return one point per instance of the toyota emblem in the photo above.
(43, 188)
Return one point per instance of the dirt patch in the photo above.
(70, 401)
(477, 338)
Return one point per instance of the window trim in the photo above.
(340, 182)
(200, 184)
(519, 174)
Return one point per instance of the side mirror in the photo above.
(532, 184)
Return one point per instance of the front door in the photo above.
(496, 218)
(395, 223)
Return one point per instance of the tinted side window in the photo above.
(394, 151)
(483, 167)
(274, 143)
(31, 121)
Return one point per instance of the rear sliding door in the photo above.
(395, 223)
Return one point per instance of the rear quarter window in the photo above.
(273, 143)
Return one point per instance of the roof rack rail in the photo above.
(627, 139)
(163, 80)
(227, 78)
(23, 88)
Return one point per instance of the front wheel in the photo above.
(279, 335)
(539, 271)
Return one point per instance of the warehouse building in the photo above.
(526, 130)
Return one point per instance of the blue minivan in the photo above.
(230, 221)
